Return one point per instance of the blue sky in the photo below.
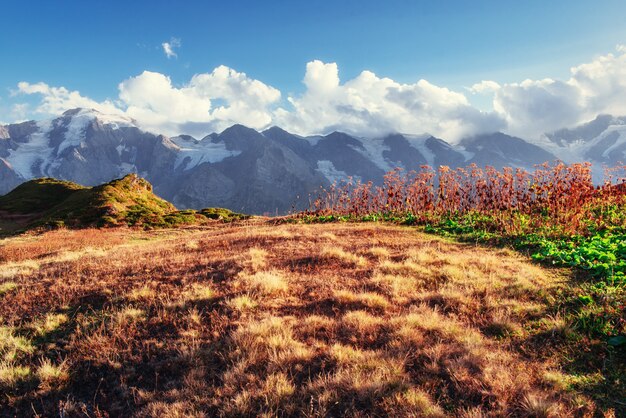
(91, 47)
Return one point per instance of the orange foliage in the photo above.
(563, 194)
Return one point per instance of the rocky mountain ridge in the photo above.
(272, 171)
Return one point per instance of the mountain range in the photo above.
(272, 171)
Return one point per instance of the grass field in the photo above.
(262, 318)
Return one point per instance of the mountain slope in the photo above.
(601, 141)
(264, 172)
(126, 201)
(501, 150)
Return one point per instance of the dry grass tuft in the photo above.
(537, 406)
(144, 292)
(413, 402)
(343, 256)
(50, 323)
(366, 376)
(7, 287)
(199, 292)
(361, 327)
(12, 374)
(242, 303)
(366, 299)
(395, 285)
(270, 342)
(130, 314)
(13, 346)
(265, 282)
(380, 252)
(258, 259)
(277, 389)
(192, 245)
(51, 376)
(14, 270)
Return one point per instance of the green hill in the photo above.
(127, 201)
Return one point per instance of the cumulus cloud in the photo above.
(533, 107)
(369, 105)
(209, 102)
(151, 99)
(366, 105)
(56, 100)
(19, 111)
(485, 86)
(168, 47)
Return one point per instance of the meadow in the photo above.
(555, 214)
(375, 302)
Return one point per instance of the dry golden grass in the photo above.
(367, 299)
(254, 319)
(50, 323)
(343, 256)
(258, 258)
(13, 270)
(52, 376)
(242, 303)
(7, 287)
(33, 247)
(265, 282)
(11, 374)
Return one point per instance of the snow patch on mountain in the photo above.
(37, 149)
(114, 121)
(578, 150)
(570, 152)
(192, 152)
(75, 133)
(419, 142)
(82, 118)
(313, 140)
(619, 133)
(328, 170)
(373, 150)
(4, 132)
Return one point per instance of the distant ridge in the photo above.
(269, 172)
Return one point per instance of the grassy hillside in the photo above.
(127, 201)
(254, 319)
(38, 195)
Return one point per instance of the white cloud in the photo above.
(533, 107)
(20, 111)
(209, 102)
(56, 100)
(168, 47)
(485, 86)
(366, 105)
(620, 48)
(369, 105)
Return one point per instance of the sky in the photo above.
(450, 68)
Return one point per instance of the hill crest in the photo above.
(130, 200)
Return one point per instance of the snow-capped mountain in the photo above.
(601, 142)
(270, 171)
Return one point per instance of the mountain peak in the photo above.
(278, 133)
(238, 129)
(586, 131)
(239, 132)
(275, 129)
(78, 110)
(105, 118)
